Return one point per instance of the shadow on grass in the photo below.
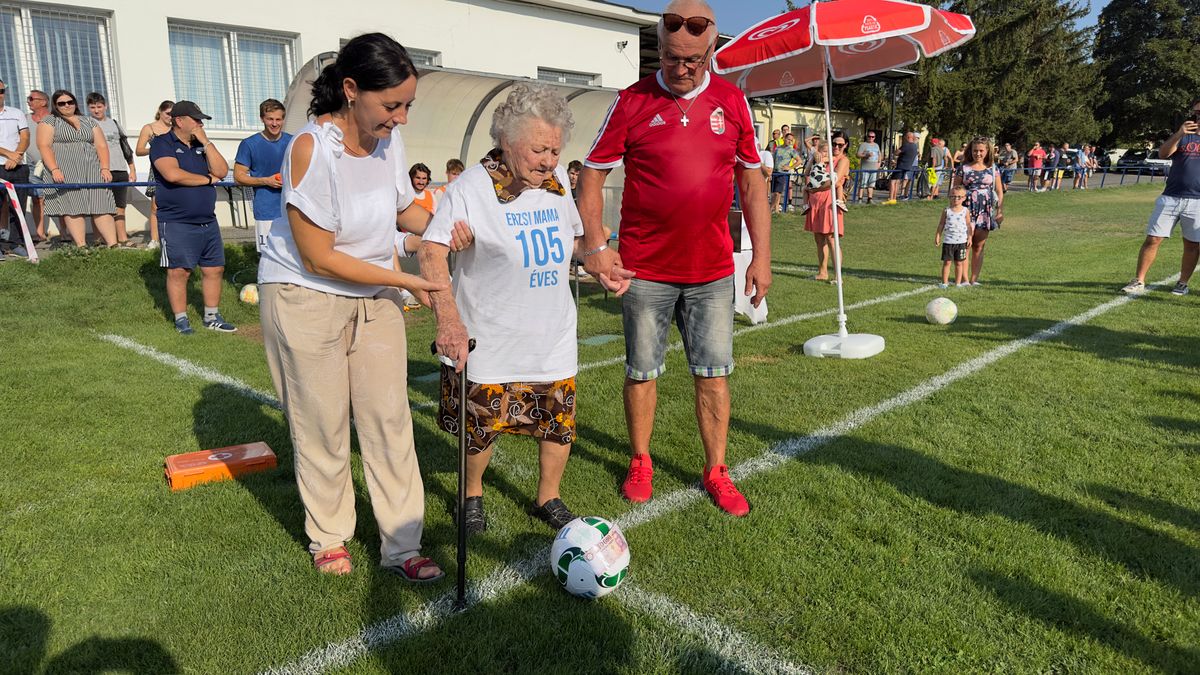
(1071, 615)
(241, 263)
(1185, 396)
(593, 297)
(25, 631)
(1153, 507)
(1146, 553)
(222, 417)
(537, 629)
(1114, 345)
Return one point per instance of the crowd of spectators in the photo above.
(908, 171)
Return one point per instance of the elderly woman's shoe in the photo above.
(554, 513)
(476, 520)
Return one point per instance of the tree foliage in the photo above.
(1025, 76)
(1149, 54)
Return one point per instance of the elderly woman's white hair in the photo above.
(529, 101)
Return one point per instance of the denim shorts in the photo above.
(703, 313)
(1171, 211)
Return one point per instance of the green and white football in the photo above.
(590, 557)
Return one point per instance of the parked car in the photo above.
(1144, 160)
(1108, 158)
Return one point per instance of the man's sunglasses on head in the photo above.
(696, 25)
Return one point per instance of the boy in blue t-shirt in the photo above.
(257, 164)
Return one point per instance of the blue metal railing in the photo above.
(919, 187)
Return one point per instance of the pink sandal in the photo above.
(329, 556)
(410, 569)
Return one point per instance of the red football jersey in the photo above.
(678, 176)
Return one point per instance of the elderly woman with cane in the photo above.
(332, 317)
(512, 295)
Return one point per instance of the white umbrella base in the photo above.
(852, 346)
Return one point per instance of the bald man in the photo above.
(683, 137)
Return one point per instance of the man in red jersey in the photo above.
(683, 137)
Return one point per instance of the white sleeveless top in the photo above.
(955, 229)
(356, 198)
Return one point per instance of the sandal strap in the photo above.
(414, 565)
(323, 559)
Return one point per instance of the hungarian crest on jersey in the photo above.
(717, 121)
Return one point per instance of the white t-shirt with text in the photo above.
(511, 286)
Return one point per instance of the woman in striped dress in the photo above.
(74, 151)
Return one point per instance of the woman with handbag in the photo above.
(985, 197)
(120, 159)
(74, 151)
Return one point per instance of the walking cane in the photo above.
(461, 517)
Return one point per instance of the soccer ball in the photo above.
(590, 557)
(249, 294)
(941, 311)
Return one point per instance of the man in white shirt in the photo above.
(14, 139)
(13, 142)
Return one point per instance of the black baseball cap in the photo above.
(188, 109)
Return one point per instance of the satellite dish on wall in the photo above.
(299, 93)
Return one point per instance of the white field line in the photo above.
(778, 323)
(341, 654)
(208, 374)
(736, 649)
(193, 370)
(877, 277)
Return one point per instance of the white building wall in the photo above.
(489, 36)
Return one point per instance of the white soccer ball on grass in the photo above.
(249, 294)
(589, 557)
(941, 311)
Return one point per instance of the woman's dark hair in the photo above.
(419, 168)
(54, 102)
(374, 61)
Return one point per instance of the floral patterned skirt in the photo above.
(539, 409)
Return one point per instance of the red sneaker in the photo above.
(637, 487)
(724, 493)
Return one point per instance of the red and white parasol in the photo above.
(840, 41)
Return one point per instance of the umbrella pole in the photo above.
(842, 344)
(827, 90)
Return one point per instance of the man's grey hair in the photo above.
(529, 101)
(673, 8)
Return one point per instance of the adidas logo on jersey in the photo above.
(658, 121)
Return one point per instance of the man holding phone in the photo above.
(1179, 204)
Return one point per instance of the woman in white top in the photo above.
(512, 295)
(332, 321)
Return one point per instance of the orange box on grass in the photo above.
(206, 466)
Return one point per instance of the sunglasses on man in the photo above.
(3, 90)
(696, 25)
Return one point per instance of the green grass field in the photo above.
(1038, 512)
